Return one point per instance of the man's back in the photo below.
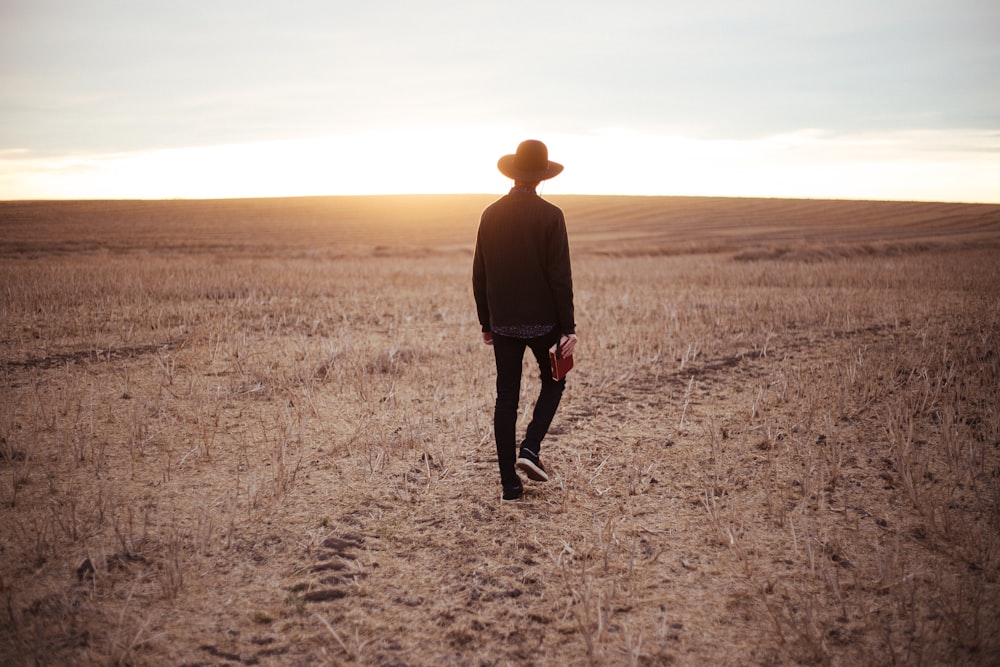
(521, 271)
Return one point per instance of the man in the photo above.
(523, 287)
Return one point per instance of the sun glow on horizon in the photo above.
(920, 166)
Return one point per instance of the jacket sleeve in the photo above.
(479, 286)
(560, 275)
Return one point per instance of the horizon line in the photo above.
(490, 194)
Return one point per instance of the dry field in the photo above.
(259, 432)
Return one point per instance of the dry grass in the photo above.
(259, 433)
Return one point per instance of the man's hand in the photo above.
(567, 344)
(488, 337)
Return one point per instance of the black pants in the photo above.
(509, 354)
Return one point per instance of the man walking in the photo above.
(523, 286)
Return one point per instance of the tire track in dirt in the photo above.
(332, 576)
(96, 355)
(433, 570)
(332, 579)
(746, 364)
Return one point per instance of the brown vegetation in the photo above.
(258, 432)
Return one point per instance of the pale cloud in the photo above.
(927, 166)
(714, 80)
(920, 166)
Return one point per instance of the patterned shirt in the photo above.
(524, 331)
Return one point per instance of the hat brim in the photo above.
(507, 168)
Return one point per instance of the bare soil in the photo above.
(259, 432)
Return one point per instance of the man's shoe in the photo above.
(513, 493)
(529, 463)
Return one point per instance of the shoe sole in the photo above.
(531, 470)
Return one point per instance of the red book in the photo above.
(560, 365)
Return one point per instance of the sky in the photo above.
(873, 99)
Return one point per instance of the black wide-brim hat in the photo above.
(530, 164)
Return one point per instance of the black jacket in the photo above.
(521, 272)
